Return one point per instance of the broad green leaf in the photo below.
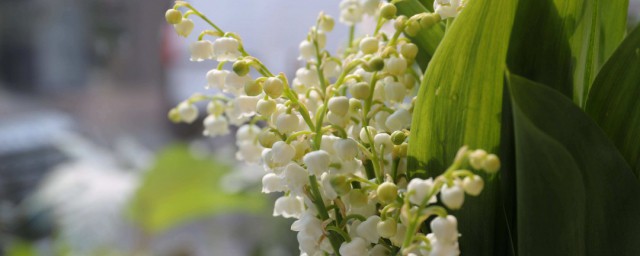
(563, 43)
(614, 100)
(576, 194)
(180, 188)
(427, 40)
(460, 103)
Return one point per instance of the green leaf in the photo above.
(427, 40)
(614, 100)
(563, 43)
(576, 195)
(460, 103)
(180, 188)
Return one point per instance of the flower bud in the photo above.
(266, 138)
(341, 184)
(398, 137)
(476, 158)
(252, 88)
(174, 115)
(339, 105)
(287, 123)
(241, 68)
(369, 45)
(173, 16)
(429, 20)
(317, 161)
(387, 192)
(473, 185)
(388, 11)
(409, 81)
(399, 23)
(188, 112)
(375, 64)
(387, 228)
(327, 23)
(266, 107)
(452, 196)
(273, 87)
(184, 28)
(364, 136)
(412, 28)
(409, 51)
(396, 66)
(445, 229)
(360, 90)
(491, 164)
(354, 105)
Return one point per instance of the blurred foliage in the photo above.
(179, 188)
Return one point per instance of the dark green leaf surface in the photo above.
(460, 103)
(614, 100)
(576, 194)
(427, 40)
(563, 43)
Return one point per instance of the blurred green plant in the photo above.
(180, 188)
(525, 78)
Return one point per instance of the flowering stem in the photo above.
(352, 31)
(196, 12)
(322, 210)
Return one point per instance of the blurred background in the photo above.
(89, 163)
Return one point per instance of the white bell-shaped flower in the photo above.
(368, 229)
(234, 83)
(308, 77)
(379, 250)
(247, 132)
(249, 151)
(287, 123)
(364, 136)
(398, 120)
(346, 149)
(491, 163)
(307, 51)
(381, 120)
(226, 49)
(288, 207)
(188, 112)
(216, 79)
(351, 12)
(201, 50)
(215, 107)
(452, 196)
(419, 189)
(247, 104)
(283, 153)
(383, 140)
(445, 229)
(296, 178)
(394, 91)
(444, 249)
(274, 87)
(328, 191)
(357, 247)
(331, 69)
(339, 105)
(473, 185)
(266, 107)
(317, 161)
(396, 66)
(370, 7)
(215, 126)
(272, 183)
(184, 28)
(446, 8)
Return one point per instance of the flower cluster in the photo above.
(334, 139)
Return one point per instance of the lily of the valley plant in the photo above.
(365, 146)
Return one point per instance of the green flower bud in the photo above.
(399, 23)
(266, 107)
(327, 23)
(241, 68)
(388, 11)
(413, 27)
(354, 104)
(173, 16)
(409, 51)
(398, 137)
(387, 192)
(266, 138)
(273, 87)
(358, 198)
(341, 184)
(399, 151)
(360, 90)
(387, 228)
(409, 81)
(376, 64)
(252, 87)
(174, 115)
(429, 20)
(491, 163)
